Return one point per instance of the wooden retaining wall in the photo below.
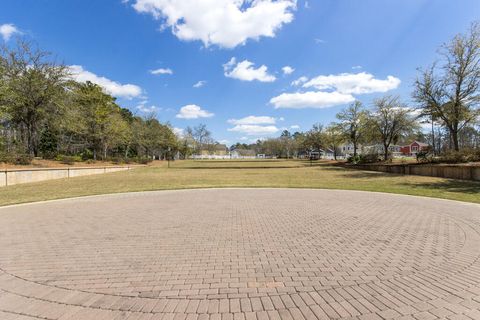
(462, 172)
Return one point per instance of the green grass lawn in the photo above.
(242, 173)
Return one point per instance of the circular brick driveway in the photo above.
(241, 254)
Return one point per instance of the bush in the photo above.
(87, 155)
(118, 160)
(68, 159)
(369, 158)
(462, 156)
(143, 160)
(424, 157)
(16, 158)
(140, 160)
(354, 159)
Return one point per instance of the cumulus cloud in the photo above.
(246, 71)
(331, 90)
(7, 30)
(253, 120)
(252, 129)
(299, 81)
(161, 71)
(310, 99)
(353, 83)
(193, 111)
(200, 84)
(226, 23)
(288, 70)
(254, 125)
(295, 126)
(116, 89)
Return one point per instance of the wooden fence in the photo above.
(464, 172)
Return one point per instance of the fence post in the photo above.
(6, 178)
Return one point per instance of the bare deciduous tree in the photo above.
(389, 121)
(451, 92)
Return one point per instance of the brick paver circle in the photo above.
(241, 254)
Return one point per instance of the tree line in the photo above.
(43, 112)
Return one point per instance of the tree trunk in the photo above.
(454, 135)
(385, 155)
(433, 138)
(354, 149)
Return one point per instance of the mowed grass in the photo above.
(242, 173)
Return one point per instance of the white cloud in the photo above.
(357, 67)
(246, 72)
(310, 99)
(254, 125)
(253, 120)
(193, 111)
(200, 84)
(333, 90)
(161, 71)
(7, 30)
(142, 107)
(319, 41)
(295, 126)
(226, 23)
(178, 131)
(299, 81)
(116, 89)
(353, 83)
(288, 70)
(252, 129)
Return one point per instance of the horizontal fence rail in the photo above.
(19, 176)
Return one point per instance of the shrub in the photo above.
(23, 159)
(16, 158)
(143, 160)
(369, 158)
(68, 159)
(424, 156)
(87, 155)
(140, 160)
(462, 156)
(119, 160)
(354, 159)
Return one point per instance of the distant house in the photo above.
(346, 150)
(395, 150)
(242, 154)
(214, 150)
(413, 148)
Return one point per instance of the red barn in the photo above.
(413, 148)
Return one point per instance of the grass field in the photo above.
(242, 173)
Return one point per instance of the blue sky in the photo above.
(343, 49)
